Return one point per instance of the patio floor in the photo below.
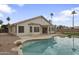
(6, 43)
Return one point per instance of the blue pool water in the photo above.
(51, 46)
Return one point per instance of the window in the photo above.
(36, 29)
(30, 28)
(21, 29)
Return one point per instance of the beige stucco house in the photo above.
(33, 26)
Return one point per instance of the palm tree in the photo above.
(73, 13)
(8, 19)
(51, 14)
(1, 24)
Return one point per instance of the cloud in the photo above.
(77, 8)
(6, 9)
(1, 15)
(68, 12)
(60, 18)
(64, 17)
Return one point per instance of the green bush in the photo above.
(69, 36)
(71, 33)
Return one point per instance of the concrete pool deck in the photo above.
(6, 44)
(37, 37)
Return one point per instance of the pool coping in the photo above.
(20, 50)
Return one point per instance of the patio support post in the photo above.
(48, 29)
(17, 29)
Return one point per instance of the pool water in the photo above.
(51, 46)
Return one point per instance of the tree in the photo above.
(8, 19)
(1, 25)
(73, 13)
(60, 27)
(1, 22)
(51, 14)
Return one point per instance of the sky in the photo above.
(18, 12)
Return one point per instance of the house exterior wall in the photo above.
(51, 30)
(27, 30)
(12, 30)
(27, 27)
(35, 33)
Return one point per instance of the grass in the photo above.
(71, 33)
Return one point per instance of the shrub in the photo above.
(69, 36)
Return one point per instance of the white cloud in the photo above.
(60, 18)
(77, 8)
(69, 11)
(66, 12)
(1, 15)
(6, 9)
(65, 17)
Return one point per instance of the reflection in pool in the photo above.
(51, 46)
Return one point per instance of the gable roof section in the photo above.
(33, 24)
(32, 19)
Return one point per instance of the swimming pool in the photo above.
(51, 46)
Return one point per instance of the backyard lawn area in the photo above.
(71, 33)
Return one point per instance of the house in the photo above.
(33, 26)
